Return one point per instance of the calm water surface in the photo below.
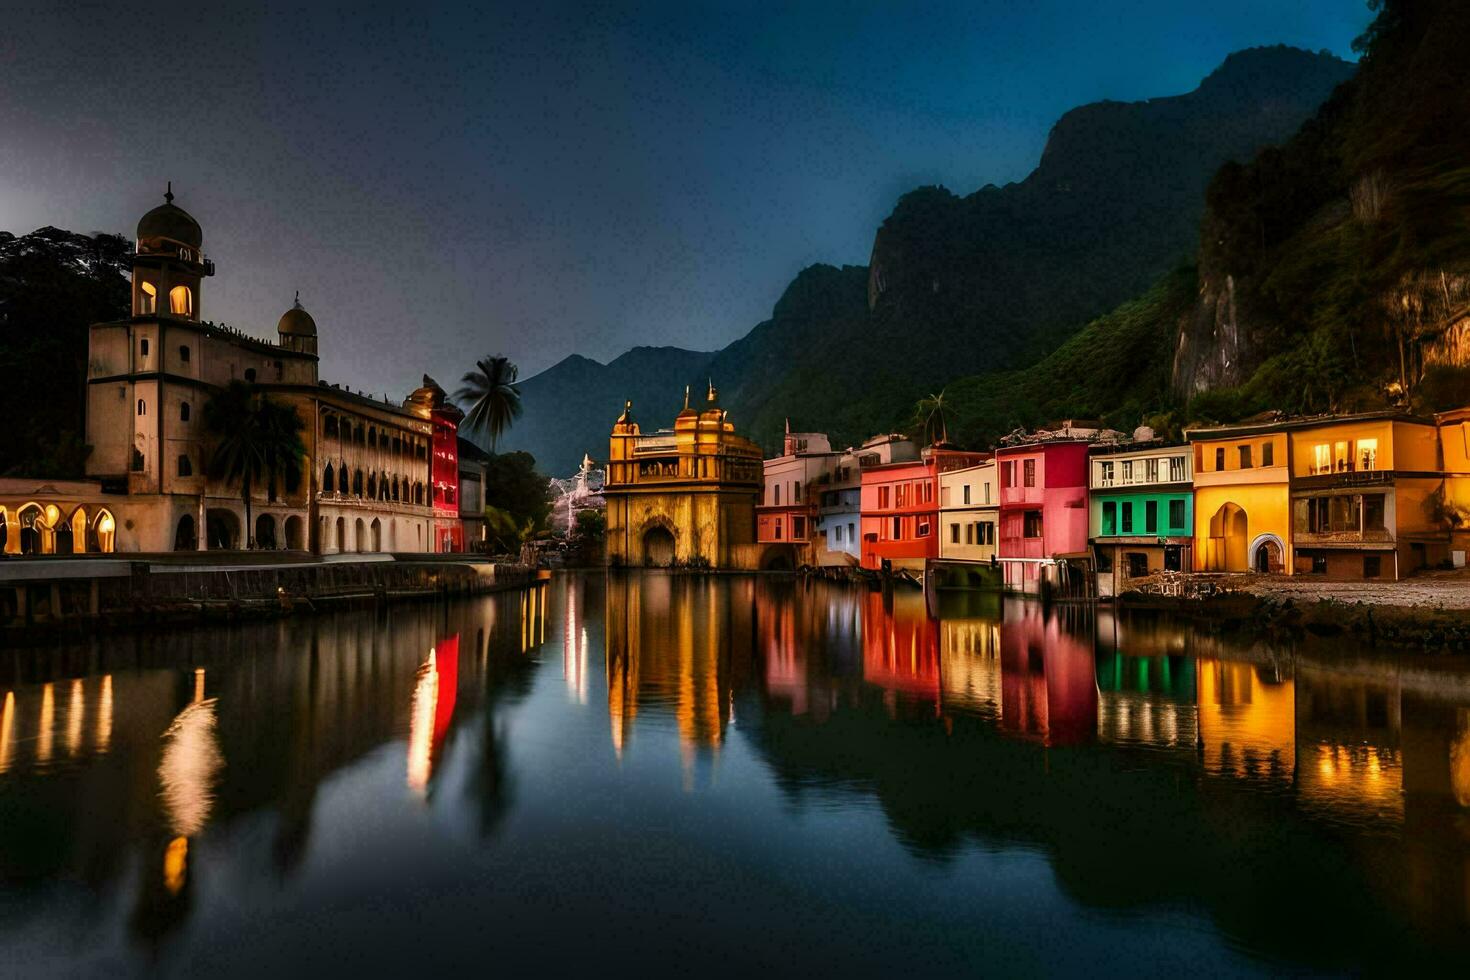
(654, 775)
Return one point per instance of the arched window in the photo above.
(373, 438)
(79, 530)
(357, 483)
(329, 428)
(183, 411)
(104, 531)
(184, 353)
(342, 479)
(383, 487)
(372, 486)
(181, 301)
(250, 375)
(395, 488)
(186, 468)
(147, 298)
(142, 407)
(328, 482)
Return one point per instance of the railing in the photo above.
(649, 444)
(1346, 536)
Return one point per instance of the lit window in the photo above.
(1367, 454)
(1322, 458)
(147, 298)
(181, 301)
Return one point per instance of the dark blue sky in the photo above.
(542, 179)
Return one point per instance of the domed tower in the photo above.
(297, 329)
(169, 262)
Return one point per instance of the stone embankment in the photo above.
(40, 597)
(1430, 611)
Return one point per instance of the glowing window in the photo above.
(147, 298)
(1367, 454)
(181, 301)
(1341, 461)
(1322, 458)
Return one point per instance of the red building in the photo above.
(900, 508)
(1043, 513)
(447, 528)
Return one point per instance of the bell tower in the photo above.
(169, 262)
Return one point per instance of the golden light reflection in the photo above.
(75, 708)
(1247, 723)
(190, 764)
(176, 865)
(1459, 760)
(7, 731)
(104, 716)
(421, 725)
(45, 734)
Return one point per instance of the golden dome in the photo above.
(296, 322)
(170, 221)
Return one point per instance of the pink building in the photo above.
(787, 513)
(1043, 513)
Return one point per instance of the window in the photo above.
(1245, 457)
(967, 493)
(329, 426)
(1176, 515)
(142, 407)
(796, 492)
(1268, 453)
(1367, 454)
(954, 534)
(923, 527)
(183, 411)
(1341, 460)
(250, 375)
(148, 298)
(798, 527)
(1321, 458)
(1219, 457)
(837, 533)
(1107, 474)
(1372, 566)
(778, 529)
(181, 301)
(185, 467)
(989, 527)
(987, 491)
(328, 483)
(1031, 525)
(143, 347)
(882, 498)
(897, 528)
(1137, 564)
(1150, 517)
(1176, 469)
(1127, 514)
(777, 491)
(1373, 511)
(1151, 470)
(1319, 564)
(1029, 475)
(852, 532)
(184, 353)
(1109, 517)
(1127, 471)
(1008, 473)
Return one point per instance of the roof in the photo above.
(1302, 422)
(168, 220)
(296, 322)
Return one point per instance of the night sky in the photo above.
(542, 179)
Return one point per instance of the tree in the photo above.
(256, 440)
(931, 420)
(492, 396)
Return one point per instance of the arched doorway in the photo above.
(341, 535)
(658, 546)
(104, 532)
(221, 530)
(377, 535)
(1268, 554)
(777, 558)
(293, 533)
(34, 534)
(186, 538)
(359, 537)
(4, 531)
(79, 542)
(265, 532)
(64, 538)
(1226, 549)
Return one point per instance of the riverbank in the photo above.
(43, 599)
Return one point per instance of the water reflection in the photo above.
(1255, 805)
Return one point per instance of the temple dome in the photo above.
(296, 322)
(170, 221)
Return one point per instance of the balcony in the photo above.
(1343, 537)
(655, 444)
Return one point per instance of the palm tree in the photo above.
(492, 396)
(256, 440)
(931, 420)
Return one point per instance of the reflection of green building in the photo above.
(1148, 700)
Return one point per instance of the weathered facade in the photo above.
(685, 495)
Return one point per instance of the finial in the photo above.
(712, 392)
(168, 195)
(686, 396)
(297, 304)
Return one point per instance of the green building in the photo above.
(1141, 499)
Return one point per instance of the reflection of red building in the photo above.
(901, 644)
(900, 508)
(430, 401)
(1047, 684)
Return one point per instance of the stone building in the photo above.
(682, 495)
(365, 481)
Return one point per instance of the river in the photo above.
(646, 774)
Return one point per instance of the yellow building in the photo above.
(684, 495)
(1454, 443)
(1242, 498)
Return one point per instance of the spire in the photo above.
(712, 393)
(297, 304)
(686, 396)
(788, 425)
(168, 195)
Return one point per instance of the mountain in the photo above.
(956, 286)
(1334, 271)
